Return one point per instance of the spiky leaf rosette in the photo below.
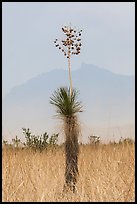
(66, 104)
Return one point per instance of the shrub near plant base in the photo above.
(39, 142)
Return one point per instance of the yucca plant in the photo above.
(67, 108)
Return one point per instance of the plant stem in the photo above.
(70, 79)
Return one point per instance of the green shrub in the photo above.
(39, 142)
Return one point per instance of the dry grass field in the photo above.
(106, 173)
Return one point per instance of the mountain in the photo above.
(108, 101)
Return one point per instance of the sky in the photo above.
(29, 29)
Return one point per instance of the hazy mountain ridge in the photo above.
(101, 92)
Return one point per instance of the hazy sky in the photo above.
(29, 29)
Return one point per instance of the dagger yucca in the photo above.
(67, 108)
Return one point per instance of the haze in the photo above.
(29, 29)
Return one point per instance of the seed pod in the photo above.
(64, 30)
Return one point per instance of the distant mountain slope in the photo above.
(106, 98)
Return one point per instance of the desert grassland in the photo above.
(106, 173)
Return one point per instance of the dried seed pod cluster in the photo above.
(71, 45)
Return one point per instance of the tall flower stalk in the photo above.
(71, 45)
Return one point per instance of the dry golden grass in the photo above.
(106, 173)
